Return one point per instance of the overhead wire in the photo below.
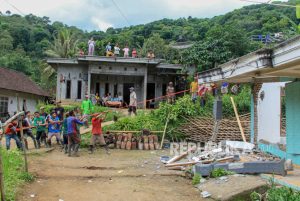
(270, 3)
(13, 6)
(121, 12)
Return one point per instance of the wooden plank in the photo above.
(181, 164)
(165, 130)
(238, 119)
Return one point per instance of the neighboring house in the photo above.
(274, 73)
(14, 84)
(92, 74)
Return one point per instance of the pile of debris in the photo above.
(234, 156)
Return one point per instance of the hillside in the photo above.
(24, 40)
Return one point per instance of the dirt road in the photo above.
(121, 176)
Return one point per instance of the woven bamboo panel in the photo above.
(200, 129)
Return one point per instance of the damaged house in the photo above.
(275, 110)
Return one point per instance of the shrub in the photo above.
(220, 172)
(196, 179)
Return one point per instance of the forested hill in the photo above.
(24, 41)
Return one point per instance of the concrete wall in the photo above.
(74, 73)
(119, 80)
(293, 118)
(31, 100)
(112, 74)
(269, 112)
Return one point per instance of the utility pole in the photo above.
(1, 170)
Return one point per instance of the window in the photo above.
(3, 106)
(79, 89)
(68, 90)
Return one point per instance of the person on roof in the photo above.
(91, 45)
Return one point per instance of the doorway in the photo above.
(79, 89)
(97, 88)
(106, 88)
(68, 91)
(150, 94)
(126, 92)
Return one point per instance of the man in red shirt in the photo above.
(97, 136)
(11, 133)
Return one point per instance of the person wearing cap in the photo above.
(87, 107)
(132, 102)
(170, 93)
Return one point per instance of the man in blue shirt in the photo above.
(73, 134)
(54, 128)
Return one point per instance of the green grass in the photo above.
(220, 172)
(14, 174)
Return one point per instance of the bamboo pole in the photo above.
(22, 136)
(238, 119)
(115, 131)
(12, 118)
(2, 179)
(164, 133)
(1, 169)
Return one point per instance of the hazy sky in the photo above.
(101, 14)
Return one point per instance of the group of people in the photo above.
(104, 101)
(115, 50)
(65, 127)
(195, 90)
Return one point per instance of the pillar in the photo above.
(145, 89)
(255, 91)
(252, 119)
(89, 84)
(292, 121)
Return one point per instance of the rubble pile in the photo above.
(235, 156)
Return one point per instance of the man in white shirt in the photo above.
(132, 102)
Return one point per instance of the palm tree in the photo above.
(64, 46)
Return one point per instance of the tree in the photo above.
(6, 41)
(221, 44)
(64, 45)
(156, 44)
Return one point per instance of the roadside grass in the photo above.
(14, 174)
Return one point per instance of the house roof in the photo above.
(280, 63)
(103, 59)
(16, 81)
(154, 62)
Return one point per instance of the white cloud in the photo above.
(102, 25)
(101, 14)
